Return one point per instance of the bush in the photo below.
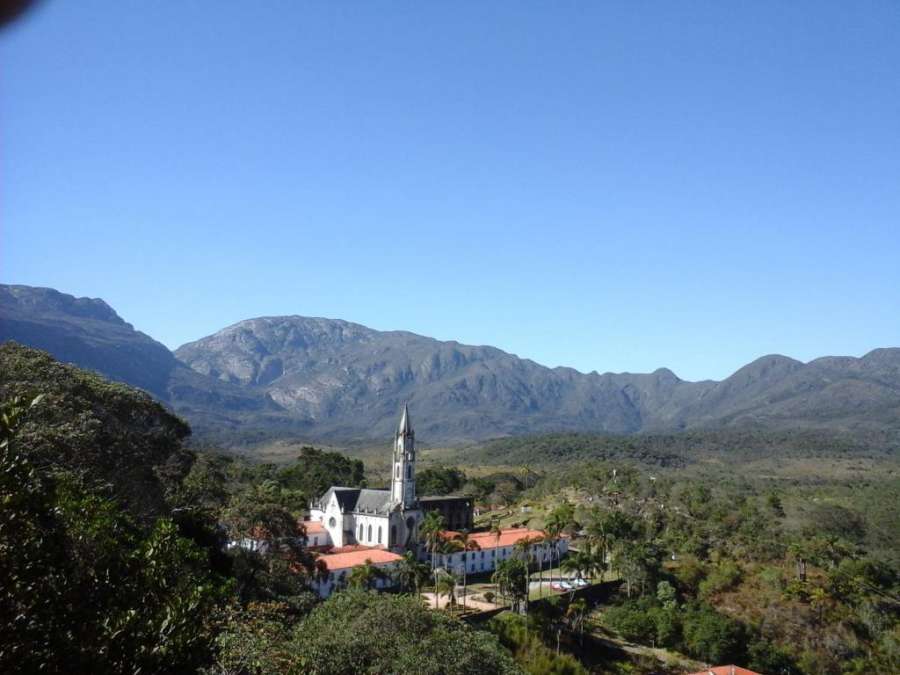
(712, 637)
(723, 577)
(631, 621)
(668, 627)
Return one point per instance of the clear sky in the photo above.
(614, 186)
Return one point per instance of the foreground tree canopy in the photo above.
(360, 631)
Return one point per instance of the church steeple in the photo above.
(403, 477)
(405, 425)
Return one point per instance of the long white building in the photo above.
(489, 549)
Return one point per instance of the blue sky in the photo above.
(613, 186)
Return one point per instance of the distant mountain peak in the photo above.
(50, 301)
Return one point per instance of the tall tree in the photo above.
(432, 532)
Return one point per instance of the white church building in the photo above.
(376, 518)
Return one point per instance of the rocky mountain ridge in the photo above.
(315, 378)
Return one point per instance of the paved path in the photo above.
(470, 602)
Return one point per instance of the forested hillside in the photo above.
(113, 553)
(681, 449)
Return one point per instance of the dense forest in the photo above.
(114, 556)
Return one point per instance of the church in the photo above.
(386, 518)
(350, 527)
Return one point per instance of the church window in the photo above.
(379, 534)
(332, 522)
(370, 530)
(398, 471)
(408, 471)
(360, 531)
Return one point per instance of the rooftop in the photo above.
(357, 500)
(726, 670)
(508, 537)
(313, 527)
(377, 556)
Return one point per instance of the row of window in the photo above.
(369, 539)
(363, 530)
(503, 553)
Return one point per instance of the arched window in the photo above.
(370, 533)
(398, 471)
(360, 531)
(379, 534)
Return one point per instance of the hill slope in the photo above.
(90, 334)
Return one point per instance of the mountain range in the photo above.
(328, 379)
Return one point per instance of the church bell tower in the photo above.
(403, 478)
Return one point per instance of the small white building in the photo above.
(317, 536)
(340, 565)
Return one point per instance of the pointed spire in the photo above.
(405, 425)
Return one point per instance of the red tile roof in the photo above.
(508, 537)
(314, 527)
(726, 670)
(349, 548)
(377, 556)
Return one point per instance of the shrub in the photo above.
(632, 622)
(711, 636)
(723, 577)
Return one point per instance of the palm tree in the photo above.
(522, 548)
(467, 545)
(511, 577)
(553, 530)
(799, 550)
(496, 530)
(524, 551)
(577, 562)
(500, 577)
(540, 540)
(431, 531)
(445, 584)
(575, 616)
(364, 576)
(561, 519)
(410, 573)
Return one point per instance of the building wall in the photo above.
(333, 520)
(370, 524)
(338, 579)
(457, 512)
(318, 539)
(486, 559)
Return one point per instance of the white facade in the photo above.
(490, 553)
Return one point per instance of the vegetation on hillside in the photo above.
(117, 553)
(676, 450)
